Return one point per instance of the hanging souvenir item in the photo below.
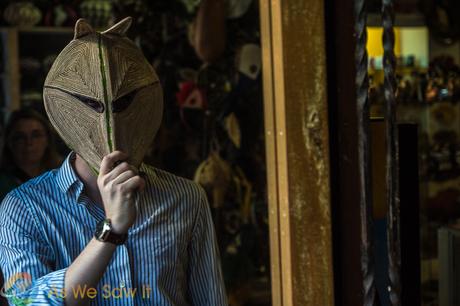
(102, 95)
(249, 60)
(22, 13)
(237, 8)
(214, 174)
(243, 192)
(60, 14)
(190, 96)
(245, 77)
(97, 12)
(248, 66)
(233, 129)
(219, 177)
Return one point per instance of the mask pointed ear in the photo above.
(120, 28)
(82, 28)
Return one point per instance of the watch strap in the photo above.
(117, 239)
(105, 233)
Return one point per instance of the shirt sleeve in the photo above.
(26, 260)
(205, 280)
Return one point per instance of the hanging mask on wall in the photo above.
(232, 127)
(190, 96)
(237, 8)
(249, 61)
(101, 95)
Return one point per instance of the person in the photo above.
(28, 149)
(105, 228)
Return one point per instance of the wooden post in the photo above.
(11, 76)
(297, 141)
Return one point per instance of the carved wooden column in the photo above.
(297, 142)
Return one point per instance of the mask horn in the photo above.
(120, 28)
(82, 28)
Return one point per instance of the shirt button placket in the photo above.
(126, 281)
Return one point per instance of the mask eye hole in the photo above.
(95, 105)
(122, 103)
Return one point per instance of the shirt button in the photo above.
(122, 284)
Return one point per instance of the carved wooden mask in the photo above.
(102, 95)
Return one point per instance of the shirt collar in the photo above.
(66, 176)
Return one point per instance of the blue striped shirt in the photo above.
(169, 258)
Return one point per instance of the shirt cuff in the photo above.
(46, 290)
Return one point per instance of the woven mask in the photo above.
(102, 95)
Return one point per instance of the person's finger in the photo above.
(109, 160)
(123, 167)
(135, 183)
(123, 177)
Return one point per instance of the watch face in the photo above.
(103, 230)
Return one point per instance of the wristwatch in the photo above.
(104, 233)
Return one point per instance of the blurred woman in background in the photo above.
(28, 149)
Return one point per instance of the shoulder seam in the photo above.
(32, 213)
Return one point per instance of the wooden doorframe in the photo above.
(297, 151)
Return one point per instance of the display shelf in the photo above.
(32, 43)
(39, 29)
